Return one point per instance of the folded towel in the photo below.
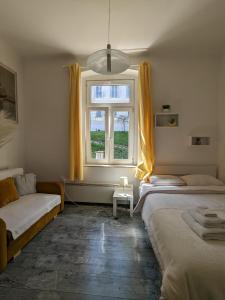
(207, 221)
(203, 232)
(206, 212)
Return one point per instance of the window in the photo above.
(110, 122)
(110, 93)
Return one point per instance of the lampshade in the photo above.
(97, 61)
(123, 181)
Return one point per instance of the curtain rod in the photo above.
(86, 68)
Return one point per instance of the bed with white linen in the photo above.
(192, 268)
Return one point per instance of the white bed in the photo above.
(193, 269)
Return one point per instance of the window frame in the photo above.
(90, 82)
(89, 157)
(109, 109)
(130, 159)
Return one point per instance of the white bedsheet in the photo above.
(180, 201)
(147, 190)
(23, 213)
(187, 273)
(193, 269)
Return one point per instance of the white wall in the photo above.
(221, 119)
(46, 118)
(12, 154)
(189, 85)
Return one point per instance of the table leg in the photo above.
(131, 207)
(114, 207)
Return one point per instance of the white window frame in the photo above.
(88, 141)
(109, 109)
(130, 159)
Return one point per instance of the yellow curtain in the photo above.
(75, 130)
(145, 124)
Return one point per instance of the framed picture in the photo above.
(8, 93)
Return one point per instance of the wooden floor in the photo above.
(85, 254)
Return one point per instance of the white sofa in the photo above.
(22, 219)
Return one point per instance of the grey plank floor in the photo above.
(85, 254)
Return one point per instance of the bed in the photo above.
(192, 268)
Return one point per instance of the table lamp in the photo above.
(123, 181)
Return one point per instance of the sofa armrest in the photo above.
(3, 245)
(52, 188)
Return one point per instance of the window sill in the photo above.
(109, 166)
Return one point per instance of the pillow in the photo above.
(162, 180)
(8, 192)
(201, 180)
(26, 184)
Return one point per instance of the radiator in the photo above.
(89, 192)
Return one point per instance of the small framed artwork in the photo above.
(199, 141)
(8, 93)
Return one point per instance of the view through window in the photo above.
(110, 127)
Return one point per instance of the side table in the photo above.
(123, 194)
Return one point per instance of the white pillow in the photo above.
(26, 184)
(201, 180)
(163, 180)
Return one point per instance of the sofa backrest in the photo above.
(10, 172)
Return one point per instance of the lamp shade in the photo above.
(123, 181)
(97, 61)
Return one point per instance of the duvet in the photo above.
(193, 269)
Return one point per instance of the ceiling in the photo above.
(79, 27)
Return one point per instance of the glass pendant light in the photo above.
(108, 61)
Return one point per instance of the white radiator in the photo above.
(89, 192)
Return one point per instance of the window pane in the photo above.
(114, 93)
(97, 134)
(121, 134)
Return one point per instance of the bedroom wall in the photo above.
(221, 119)
(189, 84)
(12, 154)
(46, 117)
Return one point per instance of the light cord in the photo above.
(109, 21)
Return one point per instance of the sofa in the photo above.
(22, 219)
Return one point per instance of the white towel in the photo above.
(207, 221)
(203, 232)
(206, 212)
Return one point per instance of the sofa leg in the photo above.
(3, 245)
(17, 254)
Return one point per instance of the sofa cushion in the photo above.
(8, 192)
(22, 214)
(26, 184)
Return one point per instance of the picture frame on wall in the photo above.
(8, 93)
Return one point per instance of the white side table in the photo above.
(123, 194)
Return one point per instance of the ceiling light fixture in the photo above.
(108, 61)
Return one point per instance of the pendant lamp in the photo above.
(108, 61)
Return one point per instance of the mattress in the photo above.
(23, 213)
(192, 268)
